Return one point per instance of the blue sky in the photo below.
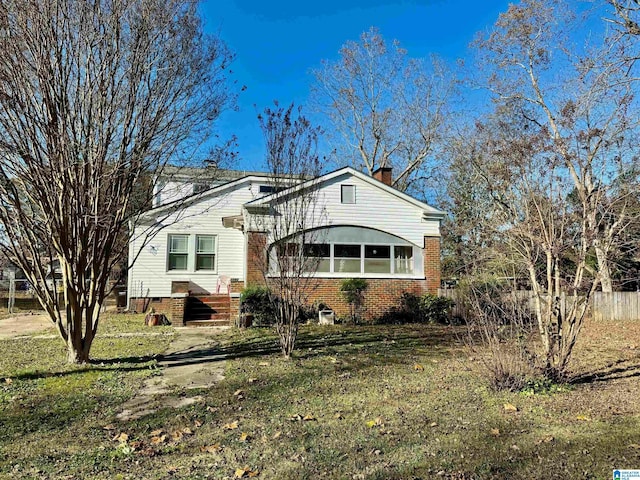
(277, 43)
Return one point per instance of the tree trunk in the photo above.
(603, 270)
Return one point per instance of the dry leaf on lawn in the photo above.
(374, 423)
(495, 432)
(230, 426)
(309, 418)
(109, 427)
(244, 437)
(276, 435)
(583, 418)
(211, 448)
(508, 407)
(418, 368)
(296, 418)
(122, 437)
(156, 433)
(197, 423)
(158, 440)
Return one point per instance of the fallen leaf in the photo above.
(172, 469)
(156, 433)
(244, 437)
(635, 445)
(433, 424)
(276, 435)
(547, 439)
(187, 431)
(418, 368)
(238, 392)
(211, 409)
(197, 423)
(338, 416)
(176, 435)
(309, 418)
(122, 437)
(583, 418)
(158, 440)
(253, 380)
(374, 423)
(136, 445)
(495, 432)
(109, 427)
(375, 452)
(295, 418)
(510, 408)
(230, 426)
(211, 448)
(245, 472)
(515, 447)
(264, 364)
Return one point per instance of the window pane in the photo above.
(177, 261)
(324, 266)
(346, 265)
(346, 251)
(377, 251)
(316, 250)
(205, 262)
(178, 243)
(348, 193)
(377, 266)
(403, 259)
(206, 244)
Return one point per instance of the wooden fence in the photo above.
(622, 306)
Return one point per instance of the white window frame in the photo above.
(170, 252)
(192, 253)
(342, 195)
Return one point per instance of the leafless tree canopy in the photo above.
(388, 110)
(556, 159)
(94, 95)
(292, 218)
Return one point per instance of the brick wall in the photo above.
(256, 257)
(431, 254)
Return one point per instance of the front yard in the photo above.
(378, 402)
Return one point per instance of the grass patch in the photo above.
(374, 402)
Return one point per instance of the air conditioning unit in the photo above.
(326, 317)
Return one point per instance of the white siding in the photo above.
(149, 276)
(373, 208)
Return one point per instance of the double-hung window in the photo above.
(191, 253)
(347, 258)
(178, 252)
(205, 252)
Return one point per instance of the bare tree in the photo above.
(582, 105)
(292, 252)
(387, 109)
(94, 97)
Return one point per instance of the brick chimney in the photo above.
(383, 174)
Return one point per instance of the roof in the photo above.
(428, 210)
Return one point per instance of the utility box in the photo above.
(326, 317)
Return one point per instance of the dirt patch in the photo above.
(24, 324)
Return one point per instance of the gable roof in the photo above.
(428, 210)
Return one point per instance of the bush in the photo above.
(256, 300)
(413, 308)
(352, 290)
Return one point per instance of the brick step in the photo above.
(209, 305)
(208, 316)
(207, 308)
(207, 323)
(209, 298)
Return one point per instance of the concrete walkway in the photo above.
(191, 362)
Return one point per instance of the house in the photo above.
(192, 261)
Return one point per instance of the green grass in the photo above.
(380, 402)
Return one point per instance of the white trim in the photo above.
(192, 247)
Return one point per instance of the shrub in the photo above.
(413, 308)
(256, 299)
(352, 290)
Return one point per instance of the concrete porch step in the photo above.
(207, 323)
